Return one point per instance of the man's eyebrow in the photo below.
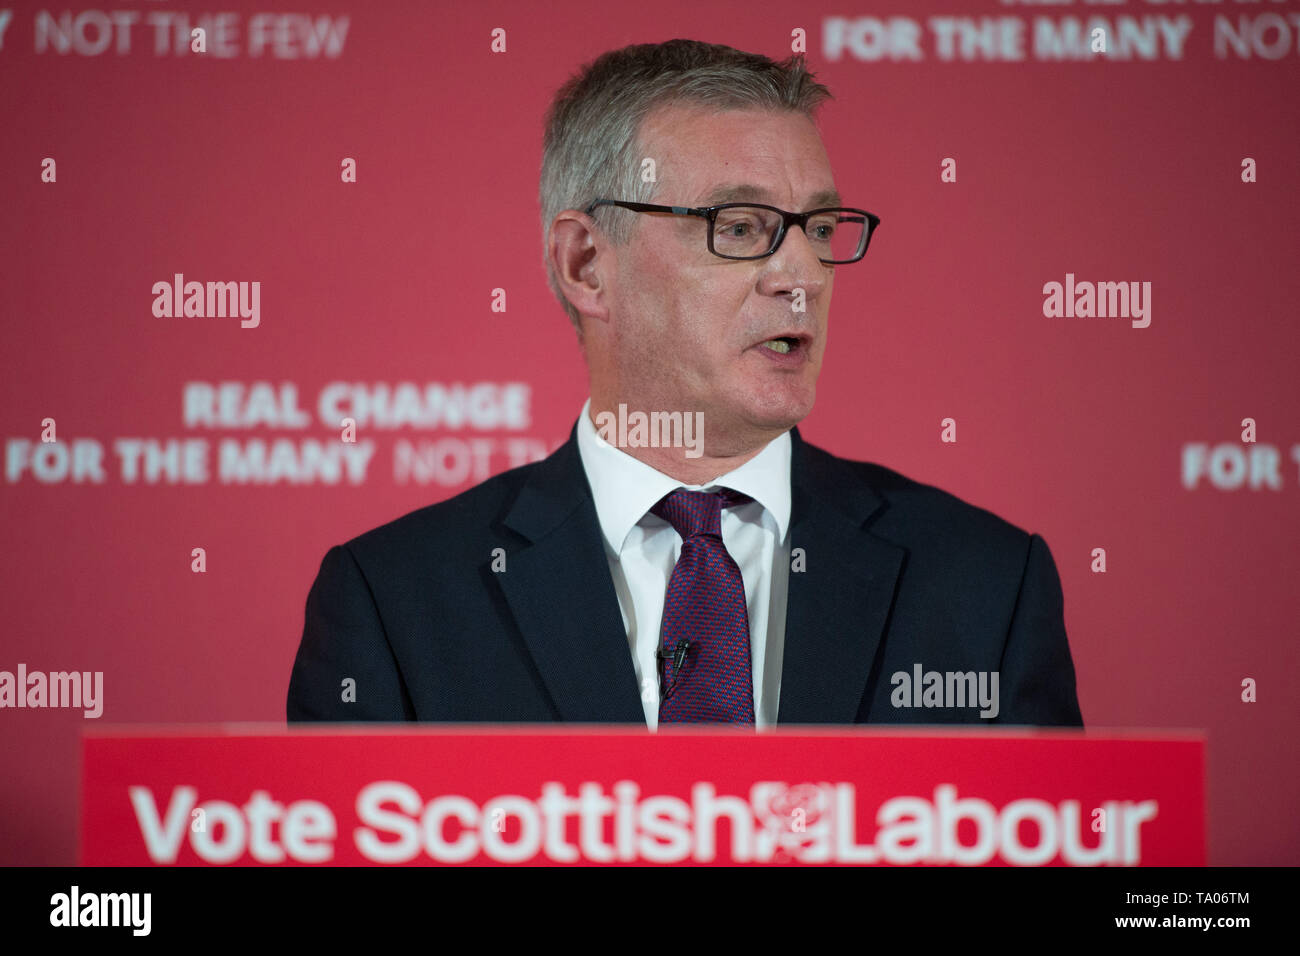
(827, 197)
(744, 192)
(735, 192)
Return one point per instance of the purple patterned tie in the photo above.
(704, 663)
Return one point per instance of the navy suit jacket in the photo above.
(896, 574)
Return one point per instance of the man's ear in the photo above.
(578, 252)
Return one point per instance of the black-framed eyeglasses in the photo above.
(743, 230)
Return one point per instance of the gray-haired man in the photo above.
(686, 556)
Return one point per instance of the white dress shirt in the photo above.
(643, 548)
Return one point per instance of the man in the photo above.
(736, 574)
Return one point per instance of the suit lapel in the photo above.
(837, 606)
(559, 589)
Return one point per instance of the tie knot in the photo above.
(694, 513)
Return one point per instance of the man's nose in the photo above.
(795, 265)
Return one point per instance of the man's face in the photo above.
(689, 326)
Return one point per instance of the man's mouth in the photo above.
(787, 344)
(782, 345)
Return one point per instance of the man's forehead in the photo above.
(750, 192)
(663, 129)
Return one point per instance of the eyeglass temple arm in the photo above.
(647, 207)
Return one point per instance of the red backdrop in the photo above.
(225, 166)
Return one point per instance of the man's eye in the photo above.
(822, 229)
(736, 228)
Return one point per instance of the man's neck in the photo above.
(673, 461)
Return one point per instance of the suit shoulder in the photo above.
(457, 519)
(914, 509)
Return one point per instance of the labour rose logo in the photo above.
(792, 819)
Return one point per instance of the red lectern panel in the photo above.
(397, 795)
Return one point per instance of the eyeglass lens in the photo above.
(747, 231)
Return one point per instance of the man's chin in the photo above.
(773, 418)
(753, 418)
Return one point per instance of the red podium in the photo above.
(430, 794)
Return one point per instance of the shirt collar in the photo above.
(624, 488)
